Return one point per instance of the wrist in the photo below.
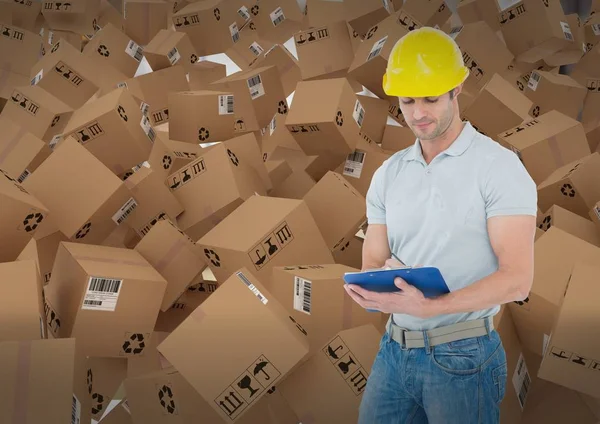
(434, 306)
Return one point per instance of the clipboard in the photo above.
(427, 279)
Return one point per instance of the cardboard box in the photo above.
(471, 11)
(498, 107)
(79, 17)
(52, 36)
(591, 31)
(94, 297)
(325, 51)
(273, 345)
(574, 51)
(151, 361)
(554, 92)
(37, 110)
(589, 115)
(338, 372)
(334, 193)
(247, 46)
(119, 414)
(361, 15)
(258, 96)
(277, 141)
(283, 232)
(337, 119)
(194, 295)
(546, 143)
(202, 74)
(202, 116)
(123, 237)
(595, 215)
(20, 151)
(168, 155)
(587, 69)
(114, 130)
(572, 358)
(396, 138)
(45, 382)
(350, 254)
(19, 49)
(205, 201)
(169, 48)
(323, 12)
(555, 253)
(22, 15)
(42, 249)
(174, 256)
(116, 49)
(277, 20)
(572, 186)
(534, 30)
(144, 19)
(104, 376)
(429, 14)
(246, 149)
(571, 223)
(294, 186)
(111, 13)
(278, 170)
(286, 63)
(375, 118)
(518, 73)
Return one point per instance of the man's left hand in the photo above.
(410, 300)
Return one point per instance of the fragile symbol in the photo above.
(213, 257)
(99, 403)
(203, 134)
(135, 344)
(165, 395)
(339, 118)
(103, 51)
(83, 231)
(246, 383)
(122, 114)
(568, 190)
(31, 221)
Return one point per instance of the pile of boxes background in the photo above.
(174, 235)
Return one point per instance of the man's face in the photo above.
(428, 117)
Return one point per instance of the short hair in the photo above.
(451, 92)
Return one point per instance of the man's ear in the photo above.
(458, 90)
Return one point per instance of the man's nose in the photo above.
(419, 112)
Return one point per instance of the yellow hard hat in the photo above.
(426, 62)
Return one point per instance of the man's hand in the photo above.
(409, 300)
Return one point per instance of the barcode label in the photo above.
(455, 31)
(38, 77)
(75, 410)
(145, 124)
(272, 126)
(252, 288)
(226, 104)
(173, 56)
(256, 49)
(277, 16)
(102, 294)
(597, 210)
(302, 295)
(545, 345)
(521, 381)
(235, 33)
(144, 107)
(534, 80)
(596, 29)
(256, 87)
(24, 175)
(354, 164)
(376, 49)
(359, 113)
(567, 31)
(50, 36)
(42, 328)
(124, 211)
(55, 141)
(122, 85)
(243, 12)
(134, 50)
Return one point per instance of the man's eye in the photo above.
(407, 102)
(431, 100)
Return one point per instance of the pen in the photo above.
(398, 259)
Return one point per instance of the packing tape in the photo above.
(553, 143)
(308, 418)
(22, 382)
(170, 255)
(12, 144)
(111, 261)
(347, 311)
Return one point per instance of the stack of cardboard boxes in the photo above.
(179, 238)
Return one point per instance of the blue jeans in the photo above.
(461, 382)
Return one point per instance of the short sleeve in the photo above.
(509, 189)
(375, 197)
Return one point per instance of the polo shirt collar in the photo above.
(457, 148)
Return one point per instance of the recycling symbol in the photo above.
(55, 120)
(254, 10)
(43, 51)
(568, 190)
(32, 220)
(122, 114)
(99, 400)
(252, 26)
(546, 223)
(90, 380)
(165, 395)
(203, 134)
(127, 175)
(265, 156)
(213, 257)
(536, 111)
(103, 50)
(282, 109)
(339, 118)
(522, 302)
(83, 231)
(167, 161)
(545, 3)
(233, 158)
(217, 13)
(193, 58)
(135, 344)
(520, 86)
(371, 32)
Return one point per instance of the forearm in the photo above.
(496, 289)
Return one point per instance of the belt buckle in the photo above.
(403, 339)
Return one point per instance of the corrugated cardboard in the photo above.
(295, 186)
(195, 294)
(151, 361)
(361, 15)
(79, 17)
(104, 376)
(571, 223)
(19, 49)
(202, 74)
(587, 67)
(42, 249)
(546, 143)
(350, 254)
(471, 11)
(53, 36)
(277, 20)
(286, 63)
(375, 118)
(277, 137)
(554, 92)
(246, 148)
(168, 155)
(573, 52)
(591, 31)
(85, 275)
(247, 47)
(144, 18)
(431, 13)
(282, 231)
(278, 170)
(119, 414)
(170, 48)
(595, 215)
(111, 13)
(337, 372)
(396, 138)
(45, 382)
(122, 236)
(273, 344)
(23, 15)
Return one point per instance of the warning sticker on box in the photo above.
(359, 113)
(302, 295)
(596, 29)
(75, 410)
(134, 50)
(173, 56)
(124, 211)
(55, 141)
(255, 86)
(354, 164)
(534, 80)
(252, 288)
(38, 77)
(376, 49)
(272, 126)
(243, 12)
(567, 31)
(235, 32)
(102, 294)
(144, 107)
(277, 16)
(521, 381)
(256, 49)
(145, 124)
(226, 104)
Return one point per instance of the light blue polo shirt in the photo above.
(436, 214)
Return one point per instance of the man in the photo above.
(458, 201)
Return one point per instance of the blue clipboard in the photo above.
(427, 279)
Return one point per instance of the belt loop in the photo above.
(426, 342)
(487, 327)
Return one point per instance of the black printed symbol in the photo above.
(520, 86)
(90, 380)
(579, 360)
(135, 344)
(212, 257)
(311, 36)
(254, 10)
(359, 381)
(233, 158)
(300, 39)
(165, 396)
(333, 352)
(54, 320)
(252, 26)
(103, 50)
(265, 155)
(522, 302)
(239, 124)
(560, 353)
(32, 221)
(217, 13)
(536, 111)
(567, 190)
(260, 368)
(193, 58)
(55, 120)
(354, 33)
(339, 118)
(6, 31)
(246, 383)
(282, 108)
(298, 326)
(545, 3)
(546, 223)
(122, 114)
(271, 390)
(167, 161)
(371, 32)
(231, 401)
(345, 246)
(345, 366)
(442, 7)
(83, 231)
(43, 51)
(203, 134)
(99, 400)
(84, 136)
(55, 47)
